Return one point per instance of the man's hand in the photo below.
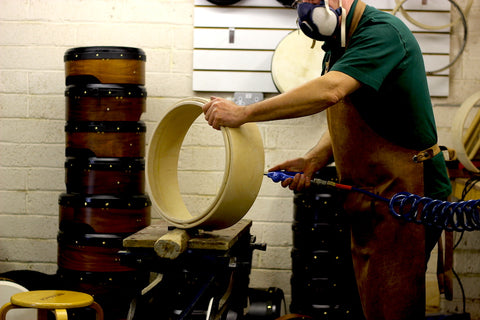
(222, 112)
(301, 180)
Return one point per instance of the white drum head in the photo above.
(295, 61)
(8, 289)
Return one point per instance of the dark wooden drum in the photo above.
(102, 282)
(105, 139)
(105, 102)
(103, 213)
(105, 65)
(115, 176)
(90, 252)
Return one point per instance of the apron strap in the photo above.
(426, 154)
(357, 15)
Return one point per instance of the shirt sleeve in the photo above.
(372, 54)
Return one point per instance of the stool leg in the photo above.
(6, 307)
(98, 309)
(61, 314)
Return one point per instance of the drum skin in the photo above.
(114, 176)
(105, 65)
(103, 214)
(105, 139)
(105, 102)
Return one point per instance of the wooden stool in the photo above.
(57, 300)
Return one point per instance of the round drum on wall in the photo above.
(243, 173)
(105, 64)
(295, 61)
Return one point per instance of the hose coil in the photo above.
(451, 216)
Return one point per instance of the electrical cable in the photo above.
(451, 216)
(469, 184)
(462, 18)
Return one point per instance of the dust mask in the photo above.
(320, 22)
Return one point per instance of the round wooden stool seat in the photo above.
(56, 300)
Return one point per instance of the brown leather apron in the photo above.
(388, 254)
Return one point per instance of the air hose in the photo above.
(451, 216)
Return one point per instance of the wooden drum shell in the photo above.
(99, 102)
(105, 65)
(115, 176)
(90, 252)
(107, 139)
(103, 214)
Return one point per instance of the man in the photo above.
(382, 137)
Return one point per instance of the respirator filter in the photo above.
(318, 21)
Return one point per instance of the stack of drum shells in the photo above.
(323, 283)
(105, 198)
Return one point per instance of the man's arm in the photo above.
(310, 98)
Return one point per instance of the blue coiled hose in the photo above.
(451, 216)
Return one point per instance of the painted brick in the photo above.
(48, 107)
(46, 179)
(26, 155)
(71, 11)
(13, 179)
(266, 209)
(39, 250)
(275, 258)
(48, 268)
(12, 202)
(14, 10)
(42, 202)
(169, 85)
(470, 240)
(137, 35)
(36, 34)
(32, 131)
(13, 105)
(48, 82)
(467, 261)
(13, 81)
(31, 58)
(21, 226)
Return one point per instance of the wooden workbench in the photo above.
(222, 239)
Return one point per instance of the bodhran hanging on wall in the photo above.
(295, 61)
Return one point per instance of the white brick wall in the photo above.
(34, 34)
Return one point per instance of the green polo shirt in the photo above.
(394, 100)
